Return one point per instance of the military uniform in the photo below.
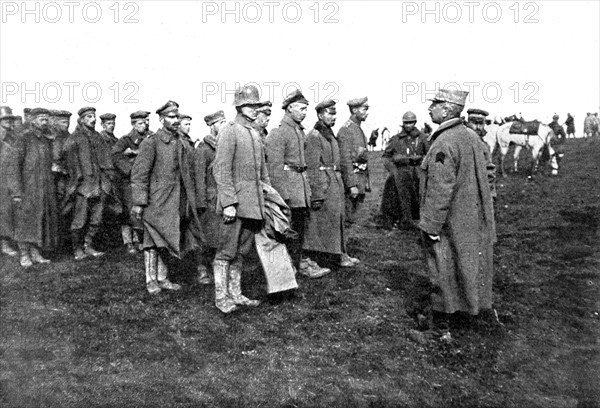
(402, 158)
(7, 227)
(354, 160)
(30, 180)
(457, 217)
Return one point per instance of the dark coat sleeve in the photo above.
(312, 154)
(345, 142)
(200, 168)
(15, 163)
(223, 167)
(120, 161)
(140, 173)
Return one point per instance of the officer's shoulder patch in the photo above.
(440, 157)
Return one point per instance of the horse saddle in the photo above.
(525, 128)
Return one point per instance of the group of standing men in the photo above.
(170, 195)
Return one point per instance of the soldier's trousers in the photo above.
(299, 218)
(236, 239)
(407, 186)
(88, 211)
(352, 207)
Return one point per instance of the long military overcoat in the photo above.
(30, 178)
(325, 228)
(164, 165)
(456, 204)
(7, 226)
(353, 150)
(285, 147)
(210, 221)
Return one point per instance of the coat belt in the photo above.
(297, 169)
(334, 168)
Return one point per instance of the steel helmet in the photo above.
(246, 95)
(409, 117)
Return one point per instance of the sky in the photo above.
(536, 58)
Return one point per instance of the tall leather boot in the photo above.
(222, 300)
(161, 276)
(151, 264)
(7, 249)
(76, 242)
(88, 240)
(235, 285)
(25, 260)
(36, 256)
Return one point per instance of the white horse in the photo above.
(491, 136)
(535, 142)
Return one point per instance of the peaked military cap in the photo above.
(265, 107)
(358, 102)
(183, 116)
(61, 114)
(140, 115)
(295, 96)
(328, 103)
(107, 116)
(450, 95)
(168, 107)
(39, 111)
(84, 111)
(477, 112)
(214, 118)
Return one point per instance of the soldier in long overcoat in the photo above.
(210, 221)
(240, 172)
(353, 150)
(287, 171)
(7, 139)
(457, 217)
(31, 184)
(164, 198)
(123, 155)
(325, 229)
(402, 158)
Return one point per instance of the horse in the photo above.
(373, 139)
(536, 142)
(491, 135)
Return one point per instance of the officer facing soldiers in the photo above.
(239, 170)
(353, 152)
(325, 229)
(7, 139)
(210, 221)
(86, 191)
(123, 154)
(401, 158)
(476, 121)
(164, 198)
(457, 216)
(287, 171)
(32, 187)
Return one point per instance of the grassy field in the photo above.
(87, 334)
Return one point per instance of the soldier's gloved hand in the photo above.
(137, 211)
(353, 192)
(229, 214)
(17, 201)
(316, 205)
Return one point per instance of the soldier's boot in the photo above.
(235, 286)
(36, 256)
(222, 300)
(203, 278)
(151, 265)
(311, 269)
(127, 235)
(25, 260)
(7, 249)
(161, 276)
(76, 242)
(88, 240)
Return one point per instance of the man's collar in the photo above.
(242, 120)
(165, 135)
(445, 125)
(355, 120)
(287, 119)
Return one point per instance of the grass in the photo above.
(87, 334)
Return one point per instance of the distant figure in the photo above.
(570, 124)
(385, 137)
(587, 125)
(595, 125)
(373, 139)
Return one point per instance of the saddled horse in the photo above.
(536, 142)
